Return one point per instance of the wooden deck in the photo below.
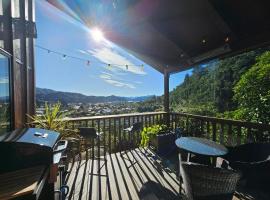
(131, 175)
(134, 174)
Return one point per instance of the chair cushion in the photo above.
(253, 152)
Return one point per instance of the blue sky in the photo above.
(58, 32)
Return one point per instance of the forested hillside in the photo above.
(211, 89)
(52, 96)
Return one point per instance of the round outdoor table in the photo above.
(201, 146)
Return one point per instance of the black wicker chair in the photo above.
(253, 160)
(202, 182)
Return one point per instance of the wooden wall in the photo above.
(17, 33)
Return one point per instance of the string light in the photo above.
(88, 62)
(227, 39)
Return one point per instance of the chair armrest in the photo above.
(99, 133)
(129, 129)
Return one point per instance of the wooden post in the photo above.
(30, 40)
(166, 97)
(17, 38)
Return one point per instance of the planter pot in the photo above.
(163, 143)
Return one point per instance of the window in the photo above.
(5, 96)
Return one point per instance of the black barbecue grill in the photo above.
(30, 147)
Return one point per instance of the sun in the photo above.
(97, 34)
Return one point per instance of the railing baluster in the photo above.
(104, 138)
(229, 136)
(98, 123)
(214, 131)
(114, 133)
(187, 125)
(222, 133)
(73, 125)
(110, 138)
(201, 126)
(207, 129)
(93, 123)
(120, 136)
(239, 133)
(249, 137)
(129, 135)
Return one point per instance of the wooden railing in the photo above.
(225, 131)
(113, 136)
(228, 132)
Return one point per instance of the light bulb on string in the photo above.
(88, 62)
(142, 67)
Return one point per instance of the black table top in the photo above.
(201, 146)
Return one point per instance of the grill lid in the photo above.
(34, 136)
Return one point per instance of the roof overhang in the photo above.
(177, 34)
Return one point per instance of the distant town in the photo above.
(75, 105)
(73, 110)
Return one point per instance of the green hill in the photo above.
(209, 89)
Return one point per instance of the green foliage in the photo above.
(150, 132)
(209, 89)
(252, 92)
(153, 104)
(4, 118)
(52, 119)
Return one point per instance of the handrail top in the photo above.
(112, 116)
(225, 121)
(206, 118)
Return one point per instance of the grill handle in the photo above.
(60, 146)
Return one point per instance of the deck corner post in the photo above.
(166, 101)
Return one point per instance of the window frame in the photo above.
(11, 96)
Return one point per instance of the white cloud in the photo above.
(108, 79)
(109, 74)
(120, 84)
(116, 71)
(105, 76)
(110, 55)
(4, 80)
(82, 51)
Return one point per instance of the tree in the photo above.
(252, 92)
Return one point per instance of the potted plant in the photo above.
(53, 119)
(158, 137)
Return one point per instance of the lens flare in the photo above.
(97, 35)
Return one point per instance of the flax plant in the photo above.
(53, 119)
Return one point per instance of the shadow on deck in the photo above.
(133, 174)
